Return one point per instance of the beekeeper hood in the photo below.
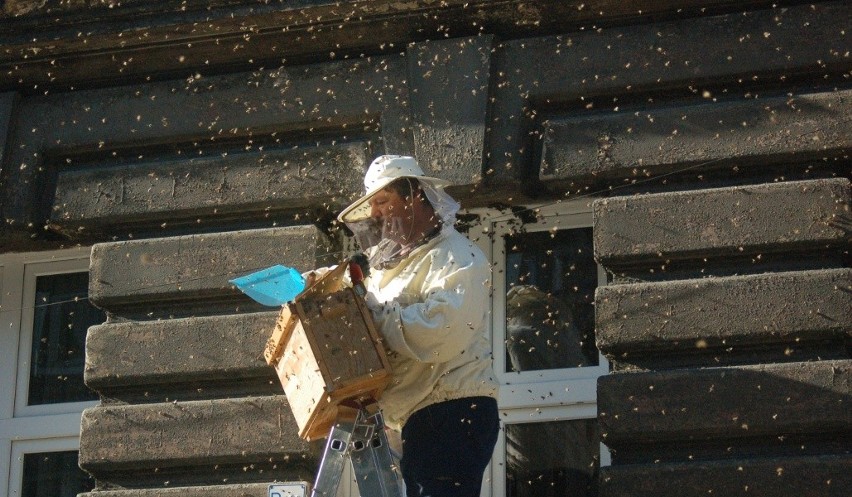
(373, 234)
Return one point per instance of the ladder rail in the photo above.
(364, 444)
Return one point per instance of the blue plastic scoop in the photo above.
(273, 286)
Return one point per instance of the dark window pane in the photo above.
(54, 474)
(551, 278)
(553, 459)
(62, 316)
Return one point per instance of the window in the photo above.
(54, 474)
(48, 468)
(61, 316)
(543, 332)
(44, 317)
(557, 456)
(550, 283)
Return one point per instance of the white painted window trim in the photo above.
(495, 475)
(21, 448)
(31, 272)
(533, 396)
(534, 388)
(30, 429)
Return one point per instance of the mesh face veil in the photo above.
(387, 240)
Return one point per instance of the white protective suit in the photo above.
(433, 321)
(430, 304)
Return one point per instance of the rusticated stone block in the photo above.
(714, 404)
(196, 267)
(706, 315)
(218, 184)
(449, 104)
(203, 141)
(713, 223)
(186, 434)
(243, 490)
(819, 476)
(140, 354)
(533, 76)
(635, 144)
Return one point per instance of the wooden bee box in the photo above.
(328, 355)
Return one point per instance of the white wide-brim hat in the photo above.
(383, 171)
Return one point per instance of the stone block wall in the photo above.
(191, 142)
(182, 187)
(732, 371)
(187, 397)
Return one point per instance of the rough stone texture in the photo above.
(827, 476)
(709, 315)
(149, 355)
(449, 103)
(136, 439)
(724, 405)
(244, 490)
(14, 8)
(310, 109)
(43, 53)
(170, 88)
(646, 65)
(675, 429)
(197, 152)
(713, 223)
(259, 180)
(529, 81)
(184, 441)
(195, 267)
(637, 144)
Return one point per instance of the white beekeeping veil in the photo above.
(377, 239)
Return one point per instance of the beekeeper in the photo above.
(428, 290)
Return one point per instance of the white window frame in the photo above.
(32, 271)
(30, 429)
(496, 471)
(534, 388)
(21, 448)
(533, 396)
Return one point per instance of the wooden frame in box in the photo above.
(327, 354)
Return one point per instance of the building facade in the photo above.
(662, 188)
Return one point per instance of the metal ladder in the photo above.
(365, 444)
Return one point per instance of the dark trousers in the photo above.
(446, 447)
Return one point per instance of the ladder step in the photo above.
(365, 445)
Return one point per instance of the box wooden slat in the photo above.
(280, 334)
(328, 356)
(329, 283)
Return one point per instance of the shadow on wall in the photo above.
(725, 414)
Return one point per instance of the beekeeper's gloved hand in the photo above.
(377, 309)
(372, 303)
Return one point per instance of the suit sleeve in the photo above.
(443, 324)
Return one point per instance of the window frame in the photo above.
(563, 394)
(40, 428)
(32, 271)
(534, 388)
(496, 471)
(21, 448)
